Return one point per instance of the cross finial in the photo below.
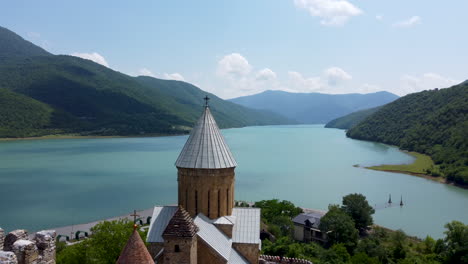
(206, 100)
(134, 219)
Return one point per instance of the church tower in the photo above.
(205, 170)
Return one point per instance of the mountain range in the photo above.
(313, 108)
(43, 94)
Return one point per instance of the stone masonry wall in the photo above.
(207, 191)
(206, 254)
(19, 249)
(249, 251)
(2, 238)
(186, 254)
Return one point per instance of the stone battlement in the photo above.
(265, 259)
(18, 248)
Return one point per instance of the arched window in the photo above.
(219, 203)
(209, 203)
(176, 248)
(196, 202)
(227, 201)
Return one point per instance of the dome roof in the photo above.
(205, 147)
(135, 252)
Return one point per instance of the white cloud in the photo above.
(146, 72)
(265, 75)
(174, 76)
(336, 75)
(379, 17)
(300, 83)
(94, 56)
(331, 12)
(33, 34)
(412, 21)
(233, 65)
(370, 88)
(427, 81)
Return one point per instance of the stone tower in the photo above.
(180, 239)
(206, 170)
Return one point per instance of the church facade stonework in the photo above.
(205, 227)
(207, 191)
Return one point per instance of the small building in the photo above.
(306, 227)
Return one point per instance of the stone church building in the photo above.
(205, 227)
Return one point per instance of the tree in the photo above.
(339, 227)
(363, 258)
(398, 239)
(456, 240)
(104, 246)
(356, 206)
(274, 208)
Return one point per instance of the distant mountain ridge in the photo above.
(432, 122)
(67, 94)
(350, 120)
(313, 108)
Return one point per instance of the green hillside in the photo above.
(349, 121)
(431, 122)
(227, 113)
(86, 98)
(13, 45)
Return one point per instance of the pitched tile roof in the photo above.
(135, 251)
(180, 225)
(312, 217)
(161, 217)
(205, 147)
(247, 227)
(215, 238)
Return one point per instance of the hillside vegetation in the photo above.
(314, 108)
(431, 122)
(349, 121)
(58, 94)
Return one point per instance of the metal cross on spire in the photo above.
(134, 219)
(206, 100)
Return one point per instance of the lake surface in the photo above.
(58, 182)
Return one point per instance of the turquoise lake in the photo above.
(58, 182)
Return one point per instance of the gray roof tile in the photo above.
(313, 217)
(247, 227)
(205, 147)
(213, 236)
(159, 221)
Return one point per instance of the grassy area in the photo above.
(423, 165)
(420, 165)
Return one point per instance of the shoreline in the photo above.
(86, 137)
(412, 169)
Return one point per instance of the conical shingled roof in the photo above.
(135, 252)
(181, 225)
(205, 147)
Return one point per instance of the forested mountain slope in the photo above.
(431, 122)
(350, 120)
(87, 98)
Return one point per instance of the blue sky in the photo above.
(235, 48)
